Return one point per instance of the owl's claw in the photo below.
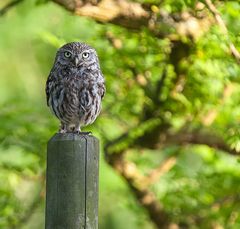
(62, 131)
(83, 133)
(74, 132)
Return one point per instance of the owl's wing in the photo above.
(102, 90)
(48, 87)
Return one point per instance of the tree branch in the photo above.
(222, 25)
(134, 15)
(121, 12)
(187, 137)
(139, 184)
(163, 137)
(144, 196)
(156, 173)
(8, 6)
(198, 137)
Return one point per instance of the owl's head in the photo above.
(76, 54)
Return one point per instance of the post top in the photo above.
(71, 137)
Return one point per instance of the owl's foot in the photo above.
(62, 128)
(75, 129)
(78, 131)
(84, 133)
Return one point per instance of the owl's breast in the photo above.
(75, 98)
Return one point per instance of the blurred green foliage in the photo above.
(201, 190)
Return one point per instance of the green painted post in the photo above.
(72, 182)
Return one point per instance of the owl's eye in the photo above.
(67, 54)
(85, 55)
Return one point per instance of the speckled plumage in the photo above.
(75, 86)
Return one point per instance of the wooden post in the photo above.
(72, 182)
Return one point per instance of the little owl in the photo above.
(75, 86)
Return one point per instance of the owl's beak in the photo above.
(76, 61)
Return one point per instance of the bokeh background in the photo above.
(169, 128)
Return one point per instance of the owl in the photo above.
(75, 87)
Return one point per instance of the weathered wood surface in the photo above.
(72, 182)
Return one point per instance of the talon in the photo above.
(84, 133)
(62, 131)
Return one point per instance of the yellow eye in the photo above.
(67, 54)
(85, 55)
